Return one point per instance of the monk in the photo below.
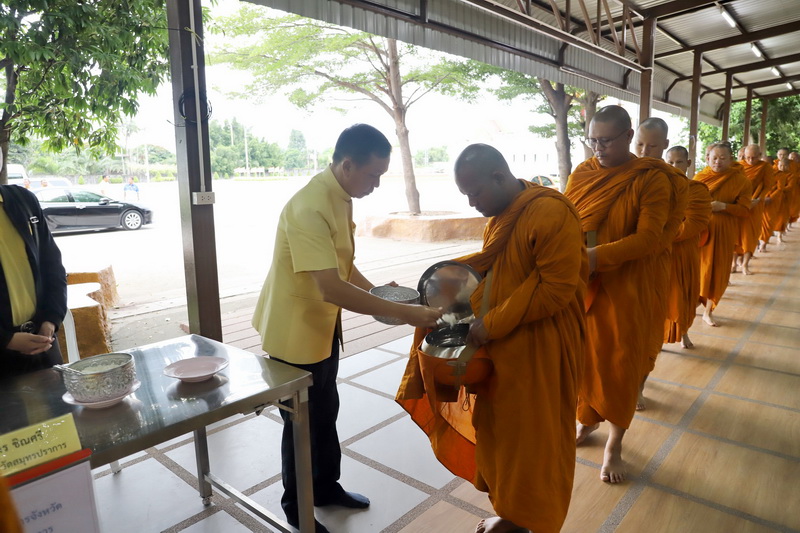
(760, 175)
(730, 192)
(793, 188)
(524, 451)
(651, 139)
(776, 204)
(685, 280)
(624, 204)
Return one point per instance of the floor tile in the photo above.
(403, 446)
(753, 482)
(770, 357)
(361, 410)
(243, 455)
(688, 370)
(217, 523)
(363, 361)
(763, 385)
(641, 442)
(592, 500)
(144, 497)
(787, 319)
(385, 379)
(776, 335)
(667, 402)
(443, 518)
(771, 428)
(390, 499)
(468, 493)
(660, 512)
(705, 345)
(400, 346)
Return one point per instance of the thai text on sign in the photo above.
(33, 445)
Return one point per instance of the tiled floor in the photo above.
(717, 450)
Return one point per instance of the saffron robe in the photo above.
(733, 188)
(522, 451)
(679, 197)
(627, 206)
(9, 521)
(760, 176)
(776, 205)
(684, 285)
(794, 191)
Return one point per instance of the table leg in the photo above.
(203, 464)
(302, 461)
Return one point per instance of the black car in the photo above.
(76, 209)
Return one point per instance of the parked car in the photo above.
(75, 209)
(544, 181)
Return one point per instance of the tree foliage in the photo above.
(783, 117)
(226, 141)
(310, 60)
(73, 69)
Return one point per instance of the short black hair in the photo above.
(359, 142)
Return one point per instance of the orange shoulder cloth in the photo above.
(594, 189)
(499, 228)
(715, 180)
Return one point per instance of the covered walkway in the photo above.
(717, 450)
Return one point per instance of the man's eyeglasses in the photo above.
(594, 143)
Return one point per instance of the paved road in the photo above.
(148, 263)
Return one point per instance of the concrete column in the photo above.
(694, 115)
(764, 114)
(647, 60)
(726, 107)
(748, 116)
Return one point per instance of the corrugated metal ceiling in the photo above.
(472, 28)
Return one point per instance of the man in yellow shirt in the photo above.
(33, 285)
(311, 279)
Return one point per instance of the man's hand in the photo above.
(477, 335)
(718, 206)
(30, 344)
(592, 253)
(421, 316)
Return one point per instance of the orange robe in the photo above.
(524, 451)
(679, 197)
(733, 188)
(794, 195)
(685, 279)
(776, 205)
(627, 206)
(760, 176)
(9, 521)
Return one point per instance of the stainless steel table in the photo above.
(164, 408)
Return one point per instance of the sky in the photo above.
(433, 121)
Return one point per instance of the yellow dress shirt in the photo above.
(315, 232)
(17, 270)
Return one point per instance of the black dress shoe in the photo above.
(351, 500)
(295, 523)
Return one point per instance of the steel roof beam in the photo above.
(749, 67)
(761, 84)
(773, 96)
(775, 31)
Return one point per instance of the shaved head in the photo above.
(614, 114)
(482, 174)
(651, 138)
(794, 156)
(752, 154)
(678, 157)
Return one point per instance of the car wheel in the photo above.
(131, 220)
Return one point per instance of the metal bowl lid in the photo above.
(449, 285)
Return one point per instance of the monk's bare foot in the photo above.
(498, 525)
(583, 432)
(613, 469)
(708, 319)
(686, 342)
(746, 271)
(640, 403)
(733, 269)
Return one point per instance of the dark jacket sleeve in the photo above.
(51, 294)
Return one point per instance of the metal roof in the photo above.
(599, 44)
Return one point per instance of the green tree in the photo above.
(73, 69)
(783, 116)
(434, 154)
(226, 142)
(312, 59)
(296, 152)
(571, 108)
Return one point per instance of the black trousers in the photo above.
(13, 363)
(326, 453)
